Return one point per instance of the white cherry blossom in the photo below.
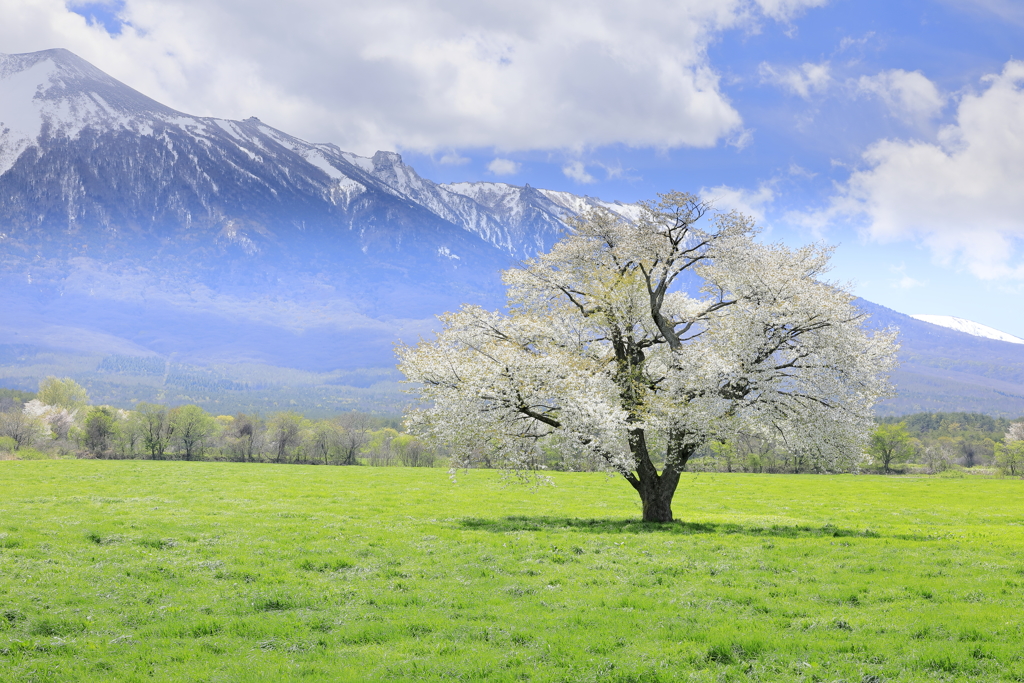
(666, 331)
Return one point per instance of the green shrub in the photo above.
(32, 454)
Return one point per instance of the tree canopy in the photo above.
(891, 443)
(633, 343)
(63, 393)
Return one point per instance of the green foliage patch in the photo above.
(198, 571)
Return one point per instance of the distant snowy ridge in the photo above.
(236, 176)
(969, 327)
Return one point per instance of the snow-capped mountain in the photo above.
(82, 152)
(102, 156)
(968, 327)
(533, 218)
(123, 218)
(129, 228)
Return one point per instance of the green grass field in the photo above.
(173, 571)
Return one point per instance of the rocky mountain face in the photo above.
(129, 230)
(81, 153)
(120, 215)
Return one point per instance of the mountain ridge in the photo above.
(133, 229)
(115, 209)
(969, 327)
(73, 104)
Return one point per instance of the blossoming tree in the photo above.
(632, 343)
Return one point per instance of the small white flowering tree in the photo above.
(605, 353)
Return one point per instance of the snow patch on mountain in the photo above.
(54, 92)
(969, 327)
(52, 97)
(365, 163)
(316, 157)
(20, 120)
(577, 205)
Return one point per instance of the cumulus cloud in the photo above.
(753, 203)
(909, 95)
(577, 170)
(503, 167)
(960, 194)
(803, 80)
(424, 76)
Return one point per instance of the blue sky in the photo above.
(892, 130)
(803, 147)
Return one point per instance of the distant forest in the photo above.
(58, 421)
(934, 425)
(125, 380)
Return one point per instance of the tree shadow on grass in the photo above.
(633, 526)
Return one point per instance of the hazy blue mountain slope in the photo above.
(945, 370)
(213, 239)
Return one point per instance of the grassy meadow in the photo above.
(175, 571)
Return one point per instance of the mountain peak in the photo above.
(62, 57)
(968, 327)
(55, 93)
(383, 157)
(171, 171)
(61, 74)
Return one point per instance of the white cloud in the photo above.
(849, 41)
(423, 76)
(742, 139)
(578, 172)
(503, 167)
(784, 10)
(800, 172)
(613, 171)
(909, 95)
(753, 203)
(453, 159)
(960, 195)
(803, 80)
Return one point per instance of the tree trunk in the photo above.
(656, 491)
(656, 495)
